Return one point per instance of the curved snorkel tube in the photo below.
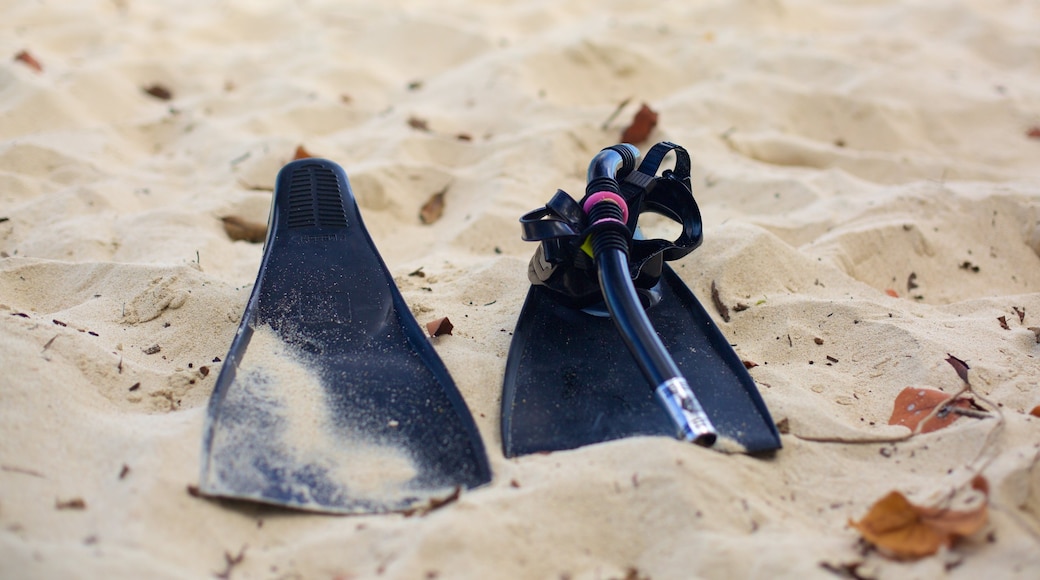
(608, 215)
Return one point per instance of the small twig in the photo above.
(854, 440)
(49, 343)
(973, 413)
(1015, 514)
(978, 465)
(230, 562)
(617, 111)
(991, 436)
(720, 306)
(22, 470)
(434, 503)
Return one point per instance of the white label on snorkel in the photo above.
(689, 417)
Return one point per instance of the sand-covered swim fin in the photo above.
(610, 342)
(331, 398)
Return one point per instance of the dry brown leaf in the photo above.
(433, 209)
(301, 153)
(158, 91)
(439, 326)
(914, 404)
(642, 124)
(908, 531)
(911, 282)
(29, 60)
(1033, 132)
(418, 124)
(1036, 411)
(891, 292)
(240, 229)
(960, 367)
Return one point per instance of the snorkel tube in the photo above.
(609, 237)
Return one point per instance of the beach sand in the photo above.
(869, 177)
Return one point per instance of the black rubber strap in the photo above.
(669, 195)
(562, 217)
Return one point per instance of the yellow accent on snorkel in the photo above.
(587, 246)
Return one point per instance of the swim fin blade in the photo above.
(571, 382)
(331, 398)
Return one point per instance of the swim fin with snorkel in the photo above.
(610, 343)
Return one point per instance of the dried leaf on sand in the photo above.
(433, 209)
(439, 326)
(29, 60)
(419, 124)
(642, 124)
(907, 531)
(914, 404)
(159, 92)
(960, 367)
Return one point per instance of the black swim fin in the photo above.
(610, 342)
(331, 398)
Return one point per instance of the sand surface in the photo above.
(869, 186)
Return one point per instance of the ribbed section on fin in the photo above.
(315, 199)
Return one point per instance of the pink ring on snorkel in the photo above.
(604, 196)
